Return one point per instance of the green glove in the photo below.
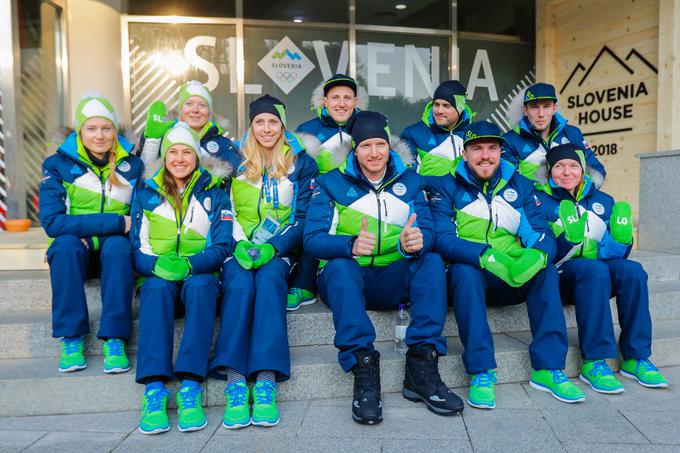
(156, 126)
(499, 264)
(172, 268)
(574, 226)
(262, 254)
(527, 264)
(621, 223)
(242, 256)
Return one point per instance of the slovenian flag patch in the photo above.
(226, 215)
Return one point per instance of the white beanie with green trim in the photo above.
(194, 88)
(181, 134)
(94, 105)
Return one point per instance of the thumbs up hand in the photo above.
(365, 241)
(411, 237)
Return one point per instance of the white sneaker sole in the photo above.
(649, 386)
(155, 431)
(192, 428)
(116, 370)
(481, 406)
(606, 392)
(304, 302)
(73, 368)
(557, 397)
(242, 425)
(263, 423)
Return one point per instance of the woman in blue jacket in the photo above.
(270, 193)
(181, 234)
(85, 196)
(595, 237)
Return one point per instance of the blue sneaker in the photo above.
(154, 414)
(600, 377)
(265, 412)
(237, 409)
(72, 354)
(189, 408)
(481, 394)
(115, 360)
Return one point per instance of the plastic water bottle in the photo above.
(403, 320)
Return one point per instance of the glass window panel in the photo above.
(302, 10)
(198, 8)
(289, 63)
(42, 96)
(421, 14)
(163, 56)
(507, 17)
(493, 72)
(400, 73)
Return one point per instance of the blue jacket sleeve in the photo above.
(53, 214)
(220, 243)
(534, 229)
(447, 242)
(319, 242)
(143, 262)
(290, 237)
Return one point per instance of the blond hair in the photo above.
(113, 157)
(254, 160)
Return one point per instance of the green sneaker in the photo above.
(189, 408)
(154, 416)
(298, 297)
(557, 384)
(72, 355)
(237, 409)
(115, 360)
(643, 371)
(600, 377)
(481, 394)
(265, 412)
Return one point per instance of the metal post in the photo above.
(454, 67)
(240, 71)
(10, 84)
(353, 39)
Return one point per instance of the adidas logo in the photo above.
(466, 197)
(352, 193)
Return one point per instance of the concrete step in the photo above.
(30, 289)
(33, 386)
(23, 251)
(28, 334)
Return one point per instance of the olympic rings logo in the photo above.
(288, 76)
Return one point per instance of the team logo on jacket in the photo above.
(352, 193)
(510, 195)
(399, 189)
(207, 204)
(124, 166)
(598, 208)
(212, 147)
(291, 169)
(226, 215)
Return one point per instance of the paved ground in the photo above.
(525, 420)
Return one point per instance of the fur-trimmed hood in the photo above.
(217, 168)
(317, 98)
(542, 175)
(341, 150)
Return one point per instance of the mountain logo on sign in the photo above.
(286, 65)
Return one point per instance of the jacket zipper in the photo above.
(377, 197)
(488, 202)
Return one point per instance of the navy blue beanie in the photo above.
(268, 104)
(365, 125)
(566, 151)
(339, 80)
(448, 91)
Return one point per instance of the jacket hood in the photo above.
(73, 148)
(395, 168)
(542, 176)
(464, 119)
(317, 103)
(506, 169)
